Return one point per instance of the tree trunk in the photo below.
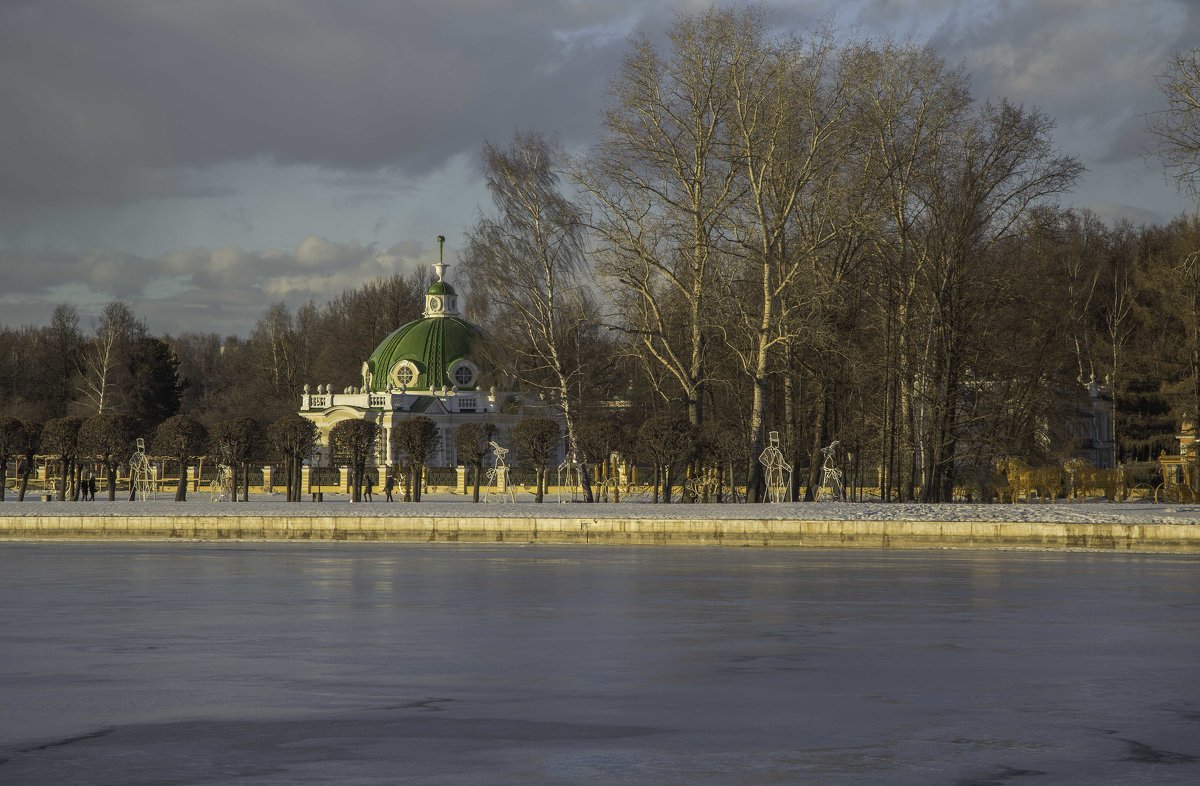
(110, 474)
(181, 489)
(816, 459)
(25, 478)
(478, 472)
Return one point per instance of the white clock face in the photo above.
(435, 303)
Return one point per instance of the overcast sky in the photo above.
(200, 160)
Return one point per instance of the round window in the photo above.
(464, 376)
(404, 374)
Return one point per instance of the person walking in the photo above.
(92, 488)
(388, 485)
(368, 486)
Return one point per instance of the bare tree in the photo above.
(528, 257)
(660, 182)
(101, 358)
(1177, 127)
(1119, 329)
(789, 135)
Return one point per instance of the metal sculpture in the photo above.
(498, 480)
(571, 469)
(141, 474)
(778, 472)
(222, 488)
(831, 476)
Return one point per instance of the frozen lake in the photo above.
(368, 663)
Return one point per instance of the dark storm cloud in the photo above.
(125, 123)
(204, 290)
(113, 101)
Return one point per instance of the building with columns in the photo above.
(430, 367)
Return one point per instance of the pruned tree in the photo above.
(414, 441)
(12, 437)
(352, 442)
(109, 438)
(183, 438)
(471, 441)
(31, 442)
(234, 442)
(669, 441)
(1177, 128)
(600, 438)
(292, 438)
(60, 439)
(537, 441)
(528, 258)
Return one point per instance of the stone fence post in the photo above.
(268, 482)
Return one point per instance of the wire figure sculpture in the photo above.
(831, 476)
(608, 490)
(222, 488)
(778, 472)
(710, 486)
(570, 468)
(498, 480)
(141, 474)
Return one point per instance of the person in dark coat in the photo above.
(388, 485)
(368, 487)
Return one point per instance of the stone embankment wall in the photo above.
(1143, 538)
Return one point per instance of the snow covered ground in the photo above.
(446, 504)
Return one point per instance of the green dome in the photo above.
(432, 346)
(440, 288)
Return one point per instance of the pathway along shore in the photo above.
(1093, 527)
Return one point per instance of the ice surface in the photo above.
(295, 663)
